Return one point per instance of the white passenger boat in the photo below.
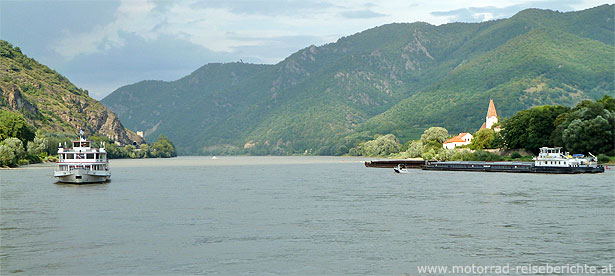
(82, 163)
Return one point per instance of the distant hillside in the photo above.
(51, 102)
(396, 78)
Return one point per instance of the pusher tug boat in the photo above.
(82, 164)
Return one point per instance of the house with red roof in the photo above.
(463, 138)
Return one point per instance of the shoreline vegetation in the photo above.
(587, 127)
(23, 144)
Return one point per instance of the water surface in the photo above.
(298, 215)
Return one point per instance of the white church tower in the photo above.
(492, 117)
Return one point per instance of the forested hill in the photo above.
(50, 102)
(396, 78)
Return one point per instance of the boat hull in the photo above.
(508, 167)
(82, 176)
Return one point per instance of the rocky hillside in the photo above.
(396, 78)
(51, 102)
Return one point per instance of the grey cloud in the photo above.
(165, 58)
(32, 25)
(361, 14)
(474, 14)
(277, 48)
(266, 7)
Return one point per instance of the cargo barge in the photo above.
(550, 160)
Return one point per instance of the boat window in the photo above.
(70, 156)
(90, 156)
(75, 144)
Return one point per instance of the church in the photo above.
(492, 117)
(465, 138)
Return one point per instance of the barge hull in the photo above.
(507, 167)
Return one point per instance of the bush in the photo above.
(33, 159)
(479, 155)
(603, 158)
(22, 162)
(7, 156)
(515, 155)
(381, 146)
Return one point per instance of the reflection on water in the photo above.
(297, 215)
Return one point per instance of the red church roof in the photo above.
(491, 112)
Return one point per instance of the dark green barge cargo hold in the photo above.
(480, 166)
(513, 167)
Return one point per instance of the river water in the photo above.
(298, 215)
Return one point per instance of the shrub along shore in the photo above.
(587, 127)
(22, 144)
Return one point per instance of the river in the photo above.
(298, 215)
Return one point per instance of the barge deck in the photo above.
(512, 167)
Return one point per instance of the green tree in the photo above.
(588, 135)
(39, 145)
(145, 150)
(7, 156)
(130, 151)
(531, 129)
(16, 146)
(14, 125)
(163, 147)
(415, 149)
(439, 134)
(590, 126)
(482, 139)
(381, 146)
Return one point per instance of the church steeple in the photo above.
(492, 116)
(491, 112)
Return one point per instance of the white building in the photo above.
(463, 138)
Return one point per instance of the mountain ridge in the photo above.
(50, 102)
(324, 99)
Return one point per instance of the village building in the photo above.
(463, 138)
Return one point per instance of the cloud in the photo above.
(479, 14)
(217, 26)
(266, 7)
(361, 14)
(102, 45)
(132, 16)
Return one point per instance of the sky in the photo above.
(101, 45)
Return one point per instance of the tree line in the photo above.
(22, 144)
(587, 127)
